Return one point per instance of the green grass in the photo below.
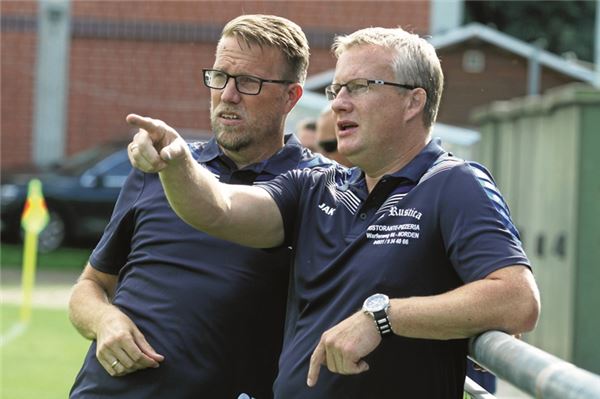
(11, 255)
(44, 360)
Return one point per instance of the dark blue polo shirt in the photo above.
(435, 225)
(214, 309)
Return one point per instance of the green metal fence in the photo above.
(542, 152)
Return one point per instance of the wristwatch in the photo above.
(377, 306)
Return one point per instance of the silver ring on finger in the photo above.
(115, 363)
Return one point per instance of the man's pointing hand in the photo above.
(154, 145)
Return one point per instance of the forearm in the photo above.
(488, 304)
(91, 300)
(243, 214)
(88, 304)
(118, 338)
(194, 194)
(505, 300)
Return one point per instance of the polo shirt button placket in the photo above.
(363, 216)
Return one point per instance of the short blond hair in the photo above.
(416, 62)
(276, 32)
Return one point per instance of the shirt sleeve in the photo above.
(475, 223)
(286, 191)
(112, 251)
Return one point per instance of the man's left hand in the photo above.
(343, 347)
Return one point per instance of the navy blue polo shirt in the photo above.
(436, 224)
(198, 300)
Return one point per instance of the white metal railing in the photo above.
(532, 370)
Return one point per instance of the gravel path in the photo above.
(52, 288)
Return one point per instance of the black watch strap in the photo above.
(383, 323)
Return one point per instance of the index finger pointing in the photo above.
(316, 360)
(142, 122)
(158, 131)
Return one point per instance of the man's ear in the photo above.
(294, 92)
(416, 103)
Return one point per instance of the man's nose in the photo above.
(230, 93)
(342, 102)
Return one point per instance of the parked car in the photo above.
(80, 193)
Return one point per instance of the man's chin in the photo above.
(233, 144)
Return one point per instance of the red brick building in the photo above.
(146, 57)
(482, 65)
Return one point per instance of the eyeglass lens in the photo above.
(244, 84)
(356, 86)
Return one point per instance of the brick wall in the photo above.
(17, 57)
(327, 15)
(146, 57)
(109, 79)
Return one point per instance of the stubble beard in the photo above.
(240, 138)
(232, 139)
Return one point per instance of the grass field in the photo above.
(11, 255)
(43, 361)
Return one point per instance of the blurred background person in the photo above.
(307, 134)
(326, 139)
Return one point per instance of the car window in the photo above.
(115, 176)
(79, 163)
(113, 170)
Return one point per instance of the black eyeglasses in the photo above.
(328, 145)
(245, 84)
(359, 86)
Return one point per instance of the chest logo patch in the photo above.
(410, 212)
(398, 234)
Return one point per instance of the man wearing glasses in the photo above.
(396, 263)
(173, 312)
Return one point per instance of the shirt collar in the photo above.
(206, 152)
(413, 171)
(285, 159)
(420, 164)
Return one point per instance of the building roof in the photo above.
(513, 45)
(501, 40)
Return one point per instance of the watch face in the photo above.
(376, 302)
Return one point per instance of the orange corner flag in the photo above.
(35, 213)
(35, 217)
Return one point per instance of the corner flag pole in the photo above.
(33, 220)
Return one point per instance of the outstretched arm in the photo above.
(95, 317)
(243, 214)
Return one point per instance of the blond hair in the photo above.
(276, 32)
(415, 63)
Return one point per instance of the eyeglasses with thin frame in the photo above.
(359, 86)
(245, 84)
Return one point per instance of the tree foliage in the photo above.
(563, 26)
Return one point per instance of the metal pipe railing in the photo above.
(532, 370)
